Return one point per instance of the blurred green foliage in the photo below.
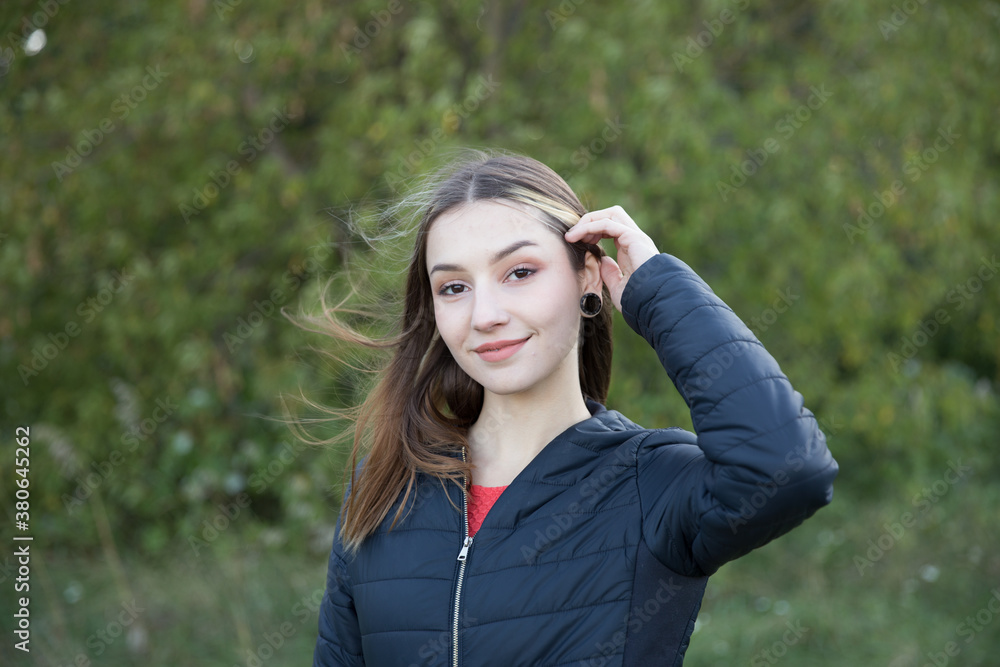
(175, 173)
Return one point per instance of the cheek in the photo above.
(567, 297)
(561, 315)
(448, 325)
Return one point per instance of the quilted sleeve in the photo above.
(339, 640)
(757, 465)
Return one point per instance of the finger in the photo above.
(614, 279)
(611, 273)
(610, 215)
(614, 212)
(593, 231)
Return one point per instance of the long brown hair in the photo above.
(416, 418)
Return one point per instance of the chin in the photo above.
(513, 386)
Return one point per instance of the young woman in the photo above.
(499, 513)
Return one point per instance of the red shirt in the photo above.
(481, 499)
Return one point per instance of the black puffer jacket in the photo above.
(599, 551)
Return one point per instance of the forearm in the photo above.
(766, 466)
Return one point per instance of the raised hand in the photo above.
(633, 246)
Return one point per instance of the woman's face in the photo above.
(506, 298)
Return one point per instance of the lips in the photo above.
(499, 350)
(498, 344)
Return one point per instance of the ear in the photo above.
(592, 274)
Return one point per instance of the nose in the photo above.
(488, 310)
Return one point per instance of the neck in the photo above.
(512, 429)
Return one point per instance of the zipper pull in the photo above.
(465, 549)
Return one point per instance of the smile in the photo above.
(499, 350)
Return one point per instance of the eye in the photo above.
(521, 272)
(447, 290)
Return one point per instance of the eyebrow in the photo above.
(500, 254)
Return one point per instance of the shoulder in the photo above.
(657, 272)
(612, 428)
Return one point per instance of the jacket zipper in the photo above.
(462, 555)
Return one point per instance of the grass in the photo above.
(910, 603)
(234, 604)
(798, 601)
